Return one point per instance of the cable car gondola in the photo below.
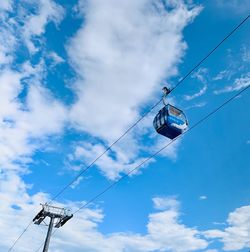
(170, 121)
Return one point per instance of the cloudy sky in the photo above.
(75, 75)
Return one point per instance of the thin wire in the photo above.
(19, 237)
(145, 114)
(164, 147)
(107, 149)
(43, 243)
(157, 152)
(211, 52)
(40, 247)
(140, 119)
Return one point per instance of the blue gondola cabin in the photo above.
(170, 122)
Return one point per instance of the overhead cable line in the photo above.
(103, 153)
(211, 52)
(146, 113)
(140, 119)
(19, 237)
(157, 152)
(163, 148)
(42, 242)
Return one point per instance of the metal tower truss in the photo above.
(58, 217)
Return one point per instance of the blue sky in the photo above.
(74, 75)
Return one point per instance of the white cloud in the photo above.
(239, 83)
(236, 235)
(164, 228)
(165, 232)
(26, 122)
(56, 58)
(6, 5)
(166, 203)
(203, 197)
(236, 6)
(122, 53)
(201, 92)
(170, 151)
(245, 54)
(7, 38)
(111, 164)
(25, 28)
(24, 126)
(197, 105)
(248, 142)
(126, 155)
(76, 183)
(47, 114)
(201, 76)
(35, 24)
(16, 210)
(219, 223)
(224, 74)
